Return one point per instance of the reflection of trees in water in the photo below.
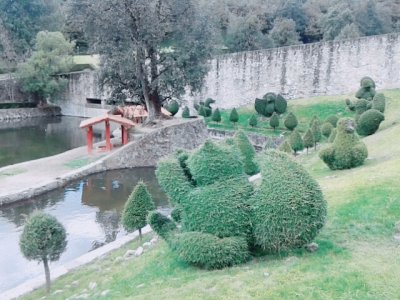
(109, 222)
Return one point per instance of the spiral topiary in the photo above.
(288, 207)
(347, 151)
(369, 122)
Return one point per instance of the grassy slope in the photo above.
(358, 256)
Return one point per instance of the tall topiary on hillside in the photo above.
(137, 208)
(247, 152)
(369, 122)
(315, 119)
(316, 131)
(326, 129)
(219, 211)
(308, 139)
(269, 104)
(274, 121)
(367, 89)
(43, 239)
(285, 147)
(296, 141)
(291, 122)
(288, 207)
(186, 113)
(253, 121)
(216, 116)
(234, 116)
(347, 151)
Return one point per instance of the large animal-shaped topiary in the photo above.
(269, 104)
(223, 217)
(347, 151)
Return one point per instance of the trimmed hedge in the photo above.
(214, 162)
(288, 208)
(162, 225)
(269, 104)
(247, 152)
(369, 122)
(210, 252)
(347, 151)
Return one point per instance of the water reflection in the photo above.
(89, 209)
(23, 140)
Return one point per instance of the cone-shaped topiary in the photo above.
(186, 113)
(247, 152)
(216, 116)
(274, 121)
(253, 121)
(316, 131)
(280, 104)
(291, 122)
(173, 107)
(315, 119)
(285, 147)
(326, 129)
(369, 122)
(296, 141)
(333, 119)
(288, 207)
(332, 137)
(43, 239)
(202, 111)
(379, 102)
(308, 139)
(137, 208)
(234, 116)
(347, 151)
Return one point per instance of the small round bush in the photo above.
(369, 122)
(296, 141)
(216, 116)
(234, 116)
(333, 120)
(289, 208)
(285, 147)
(326, 129)
(214, 162)
(291, 122)
(247, 152)
(280, 104)
(274, 121)
(210, 252)
(253, 121)
(379, 102)
(173, 107)
(186, 113)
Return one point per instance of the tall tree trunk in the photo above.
(47, 273)
(140, 233)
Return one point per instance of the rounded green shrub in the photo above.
(379, 102)
(274, 121)
(176, 214)
(288, 208)
(296, 141)
(291, 122)
(173, 107)
(326, 129)
(260, 106)
(214, 162)
(216, 116)
(234, 116)
(280, 104)
(247, 152)
(369, 122)
(210, 252)
(161, 224)
(333, 119)
(347, 151)
(308, 139)
(253, 121)
(360, 106)
(186, 113)
(285, 147)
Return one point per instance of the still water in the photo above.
(90, 211)
(23, 140)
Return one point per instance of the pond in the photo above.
(23, 140)
(90, 211)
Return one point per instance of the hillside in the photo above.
(358, 258)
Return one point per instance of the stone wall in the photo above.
(25, 113)
(326, 68)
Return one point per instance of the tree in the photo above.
(216, 116)
(151, 49)
(186, 113)
(284, 33)
(136, 209)
(296, 142)
(291, 122)
(285, 147)
(253, 121)
(308, 139)
(274, 121)
(234, 116)
(43, 239)
(350, 31)
(316, 131)
(52, 56)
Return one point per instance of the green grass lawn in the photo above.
(358, 256)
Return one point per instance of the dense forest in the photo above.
(238, 24)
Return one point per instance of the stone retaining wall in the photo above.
(25, 113)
